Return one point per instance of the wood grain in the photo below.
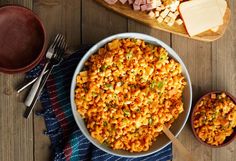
(182, 151)
(26, 3)
(224, 76)
(98, 22)
(64, 17)
(42, 144)
(134, 26)
(142, 17)
(197, 57)
(16, 133)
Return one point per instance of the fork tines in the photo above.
(57, 45)
(60, 48)
(58, 39)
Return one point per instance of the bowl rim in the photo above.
(194, 109)
(43, 49)
(105, 41)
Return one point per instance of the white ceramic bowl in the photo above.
(162, 140)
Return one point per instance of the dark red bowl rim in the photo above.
(40, 54)
(232, 136)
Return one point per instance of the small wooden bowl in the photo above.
(228, 139)
(22, 39)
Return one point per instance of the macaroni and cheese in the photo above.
(214, 118)
(127, 91)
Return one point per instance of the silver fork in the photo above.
(54, 56)
(29, 82)
(49, 55)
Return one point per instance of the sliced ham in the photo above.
(111, 1)
(144, 2)
(143, 7)
(136, 7)
(164, 10)
(151, 6)
(131, 1)
(138, 2)
(123, 1)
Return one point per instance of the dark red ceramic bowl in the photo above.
(228, 139)
(22, 39)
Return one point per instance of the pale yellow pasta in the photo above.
(127, 92)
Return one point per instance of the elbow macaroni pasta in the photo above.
(215, 118)
(127, 92)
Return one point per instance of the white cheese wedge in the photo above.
(158, 9)
(167, 19)
(171, 22)
(215, 29)
(158, 3)
(176, 13)
(159, 19)
(179, 21)
(201, 15)
(151, 14)
(223, 6)
(172, 15)
(157, 13)
(164, 13)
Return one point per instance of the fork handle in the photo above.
(27, 83)
(30, 108)
(29, 99)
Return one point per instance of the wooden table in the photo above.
(212, 66)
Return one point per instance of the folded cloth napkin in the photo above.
(68, 143)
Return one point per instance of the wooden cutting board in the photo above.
(126, 10)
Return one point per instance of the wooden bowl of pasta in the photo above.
(125, 89)
(213, 119)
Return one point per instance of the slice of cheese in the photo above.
(223, 6)
(159, 19)
(201, 15)
(215, 29)
(179, 21)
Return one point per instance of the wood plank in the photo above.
(16, 133)
(26, 3)
(63, 17)
(134, 26)
(98, 22)
(42, 143)
(224, 58)
(224, 76)
(197, 57)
